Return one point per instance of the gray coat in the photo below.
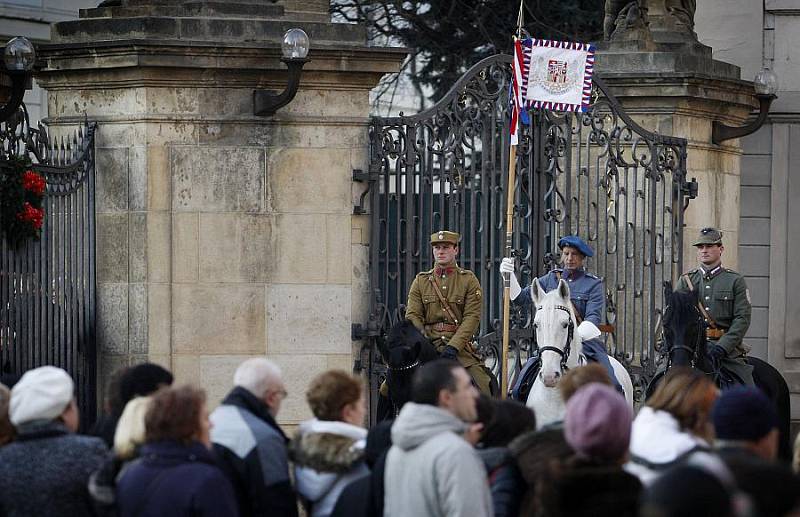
(431, 471)
(46, 471)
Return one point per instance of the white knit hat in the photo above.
(41, 394)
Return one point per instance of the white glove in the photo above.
(507, 268)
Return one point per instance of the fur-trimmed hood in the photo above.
(325, 454)
(328, 446)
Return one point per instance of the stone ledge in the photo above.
(199, 9)
(132, 63)
(220, 30)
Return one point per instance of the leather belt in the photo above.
(442, 327)
(715, 333)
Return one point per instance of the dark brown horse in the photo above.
(685, 345)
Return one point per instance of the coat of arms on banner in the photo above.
(556, 75)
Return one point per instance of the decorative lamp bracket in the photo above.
(721, 132)
(267, 102)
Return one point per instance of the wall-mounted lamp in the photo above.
(766, 86)
(19, 57)
(295, 49)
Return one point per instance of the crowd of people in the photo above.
(691, 450)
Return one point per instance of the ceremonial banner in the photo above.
(556, 75)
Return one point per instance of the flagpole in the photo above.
(512, 173)
(512, 169)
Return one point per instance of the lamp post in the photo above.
(295, 49)
(19, 56)
(766, 87)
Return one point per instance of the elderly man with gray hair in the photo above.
(250, 444)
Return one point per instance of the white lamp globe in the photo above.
(295, 44)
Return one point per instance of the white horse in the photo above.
(560, 348)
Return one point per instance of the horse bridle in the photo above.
(403, 368)
(564, 353)
(692, 351)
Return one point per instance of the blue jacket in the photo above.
(586, 292)
(174, 479)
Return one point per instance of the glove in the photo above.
(717, 352)
(507, 268)
(449, 352)
(507, 265)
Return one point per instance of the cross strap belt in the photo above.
(713, 331)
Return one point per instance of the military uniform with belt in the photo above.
(450, 317)
(725, 301)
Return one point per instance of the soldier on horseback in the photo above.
(586, 293)
(724, 300)
(445, 304)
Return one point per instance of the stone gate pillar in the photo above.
(221, 235)
(669, 83)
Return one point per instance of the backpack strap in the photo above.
(659, 467)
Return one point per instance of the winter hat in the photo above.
(598, 423)
(743, 413)
(41, 394)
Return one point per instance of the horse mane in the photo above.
(683, 308)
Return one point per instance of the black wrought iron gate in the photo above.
(47, 287)
(596, 174)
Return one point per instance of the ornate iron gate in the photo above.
(597, 174)
(47, 287)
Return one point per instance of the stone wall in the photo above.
(221, 235)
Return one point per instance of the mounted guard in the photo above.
(445, 304)
(724, 301)
(587, 294)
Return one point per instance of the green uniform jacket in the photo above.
(462, 291)
(724, 295)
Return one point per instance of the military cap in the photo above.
(445, 236)
(573, 241)
(708, 236)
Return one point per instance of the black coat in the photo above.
(773, 487)
(364, 496)
(575, 489)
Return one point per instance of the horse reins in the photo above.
(564, 353)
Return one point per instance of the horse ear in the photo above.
(563, 289)
(536, 291)
(667, 290)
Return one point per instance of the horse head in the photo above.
(405, 347)
(555, 325)
(684, 327)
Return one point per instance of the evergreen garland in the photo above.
(21, 198)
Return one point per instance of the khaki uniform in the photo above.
(462, 290)
(724, 295)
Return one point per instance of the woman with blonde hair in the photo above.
(128, 437)
(673, 424)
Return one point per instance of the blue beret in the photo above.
(743, 413)
(573, 241)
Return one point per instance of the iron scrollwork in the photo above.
(597, 173)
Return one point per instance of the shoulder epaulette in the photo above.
(425, 273)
